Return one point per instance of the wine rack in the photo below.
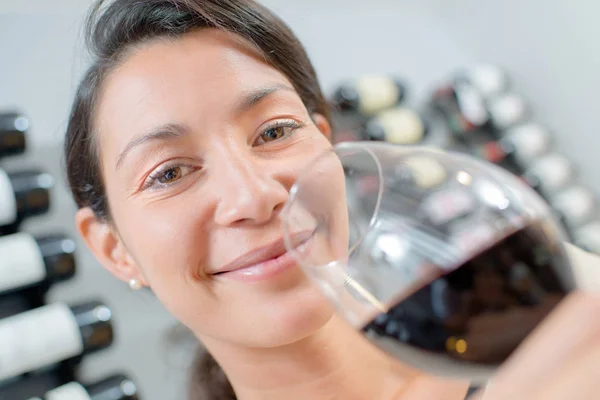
(43, 342)
(476, 111)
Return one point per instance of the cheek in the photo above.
(168, 246)
(165, 239)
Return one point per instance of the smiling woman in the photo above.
(185, 137)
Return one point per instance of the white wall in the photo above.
(548, 47)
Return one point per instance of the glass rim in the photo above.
(336, 149)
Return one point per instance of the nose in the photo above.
(249, 192)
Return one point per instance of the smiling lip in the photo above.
(264, 262)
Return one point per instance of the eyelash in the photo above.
(287, 123)
(152, 182)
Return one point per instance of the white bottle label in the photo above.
(402, 126)
(507, 110)
(70, 391)
(376, 93)
(529, 140)
(8, 203)
(553, 171)
(488, 79)
(471, 104)
(38, 338)
(576, 204)
(426, 171)
(21, 262)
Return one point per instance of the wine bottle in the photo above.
(575, 205)
(23, 194)
(399, 125)
(43, 338)
(517, 148)
(31, 385)
(27, 261)
(485, 79)
(13, 130)
(117, 387)
(463, 101)
(369, 94)
(467, 112)
(17, 303)
(550, 173)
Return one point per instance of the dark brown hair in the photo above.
(113, 29)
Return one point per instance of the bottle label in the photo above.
(488, 79)
(471, 104)
(401, 126)
(70, 391)
(21, 262)
(507, 110)
(529, 141)
(575, 204)
(553, 171)
(8, 202)
(376, 93)
(426, 171)
(38, 338)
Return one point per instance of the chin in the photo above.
(289, 318)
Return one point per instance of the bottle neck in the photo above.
(117, 387)
(58, 252)
(95, 323)
(13, 129)
(32, 192)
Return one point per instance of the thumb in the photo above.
(586, 268)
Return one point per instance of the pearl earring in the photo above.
(134, 284)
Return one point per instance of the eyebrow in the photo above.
(163, 132)
(256, 96)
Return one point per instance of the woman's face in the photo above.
(200, 142)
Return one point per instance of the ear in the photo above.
(104, 242)
(323, 125)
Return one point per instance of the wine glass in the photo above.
(443, 261)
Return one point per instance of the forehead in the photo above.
(199, 75)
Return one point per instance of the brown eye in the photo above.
(273, 134)
(170, 175)
(280, 130)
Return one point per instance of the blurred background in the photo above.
(513, 82)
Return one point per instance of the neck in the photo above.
(335, 362)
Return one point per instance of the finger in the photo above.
(586, 268)
(567, 331)
(427, 387)
(578, 379)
